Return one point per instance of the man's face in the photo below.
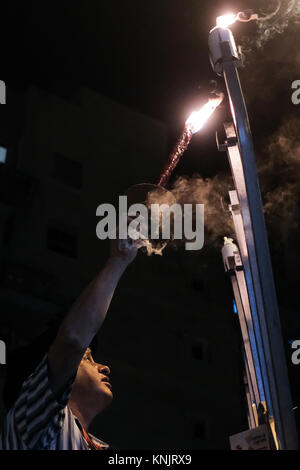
(92, 382)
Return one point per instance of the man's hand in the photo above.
(124, 251)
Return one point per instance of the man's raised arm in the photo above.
(86, 316)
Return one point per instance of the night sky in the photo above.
(151, 56)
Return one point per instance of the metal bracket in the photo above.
(230, 142)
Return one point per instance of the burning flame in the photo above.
(226, 20)
(198, 118)
(243, 16)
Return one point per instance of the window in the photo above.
(200, 430)
(8, 230)
(67, 171)
(3, 153)
(200, 349)
(62, 239)
(197, 351)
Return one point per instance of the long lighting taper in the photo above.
(193, 124)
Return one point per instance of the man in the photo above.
(67, 389)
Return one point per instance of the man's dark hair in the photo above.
(22, 362)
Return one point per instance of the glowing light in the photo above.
(198, 118)
(243, 16)
(226, 20)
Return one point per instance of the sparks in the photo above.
(193, 124)
(198, 118)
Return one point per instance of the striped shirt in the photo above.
(40, 421)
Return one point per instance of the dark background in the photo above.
(96, 95)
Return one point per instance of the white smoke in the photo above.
(212, 192)
(279, 174)
(272, 22)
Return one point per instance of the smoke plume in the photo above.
(213, 193)
(271, 22)
(279, 175)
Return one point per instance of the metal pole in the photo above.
(255, 250)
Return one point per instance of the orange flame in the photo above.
(226, 20)
(198, 118)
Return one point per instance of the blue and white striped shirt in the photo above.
(40, 421)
